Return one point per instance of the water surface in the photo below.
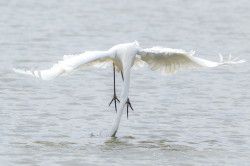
(195, 117)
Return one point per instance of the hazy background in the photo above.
(195, 117)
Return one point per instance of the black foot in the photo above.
(129, 105)
(114, 99)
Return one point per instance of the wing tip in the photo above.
(22, 71)
(230, 61)
(35, 73)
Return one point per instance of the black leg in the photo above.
(114, 97)
(127, 102)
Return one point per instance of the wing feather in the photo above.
(70, 63)
(170, 61)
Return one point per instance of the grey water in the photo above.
(194, 117)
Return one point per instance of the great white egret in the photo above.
(124, 56)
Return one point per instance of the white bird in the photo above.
(124, 56)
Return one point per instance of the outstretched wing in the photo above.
(69, 64)
(169, 61)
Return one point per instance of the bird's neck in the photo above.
(123, 99)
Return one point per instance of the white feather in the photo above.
(169, 61)
(221, 58)
(69, 64)
(124, 56)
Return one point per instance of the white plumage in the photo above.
(124, 56)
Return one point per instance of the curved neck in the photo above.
(123, 99)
